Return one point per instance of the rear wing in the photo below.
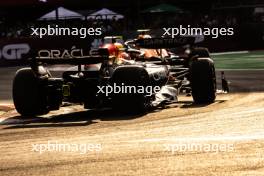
(71, 61)
(100, 56)
(156, 43)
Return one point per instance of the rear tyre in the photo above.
(130, 102)
(29, 94)
(203, 80)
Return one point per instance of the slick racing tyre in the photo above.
(29, 93)
(203, 80)
(130, 102)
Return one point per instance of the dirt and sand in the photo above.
(148, 144)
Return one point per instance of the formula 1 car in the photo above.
(36, 92)
(191, 69)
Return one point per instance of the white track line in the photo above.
(230, 52)
(6, 104)
(250, 69)
(204, 138)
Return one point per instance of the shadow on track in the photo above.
(191, 104)
(87, 117)
(72, 119)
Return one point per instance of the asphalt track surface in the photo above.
(227, 137)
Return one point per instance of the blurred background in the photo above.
(123, 18)
(119, 17)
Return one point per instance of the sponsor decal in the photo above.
(60, 54)
(14, 51)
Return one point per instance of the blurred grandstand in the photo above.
(246, 17)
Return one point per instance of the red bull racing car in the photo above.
(129, 77)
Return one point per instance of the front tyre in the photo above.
(203, 80)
